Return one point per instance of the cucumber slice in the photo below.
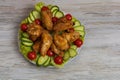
(39, 5)
(50, 6)
(56, 65)
(24, 49)
(77, 23)
(37, 8)
(73, 46)
(66, 56)
(29, 44)
(54, 12)
(31, 17)
(25, 35)
(26, 20)
(42, 60)
(36, 14)
(29, 20)
(82, 33)
(54, 8)
(23, 22)
(47, 62)
(72, 52)
(26, 40)
(79, 28)
(73, 19)
(59, 14)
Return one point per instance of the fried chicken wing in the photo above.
(46, 17)
(46, 41)
(71, 37)
(60, 42)
(62, 24)
(34, 30)
(55, 49)
(36, 46)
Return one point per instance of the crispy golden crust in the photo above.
(55, 49)
(36, 46)
(46, 41)
(46, 17)
(71, 37)
(62, 24)
(34, 31)
(60, 42)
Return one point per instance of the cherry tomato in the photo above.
(71, 30)
(44, 8)
(78, 42)
(58, 60)
(24, 27)
(37, 21)
(54, 19)
(32, 55)
(50, 53)
(68, 17)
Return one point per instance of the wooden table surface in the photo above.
(99, 58)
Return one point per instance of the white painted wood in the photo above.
(99, 58)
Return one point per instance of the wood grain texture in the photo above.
(99, 58)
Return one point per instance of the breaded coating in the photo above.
(71, 37)
(62, 24)
(46, 41)
(34, 30)
(46, 17)
(36, 46)
(55, 49)
(60, 42)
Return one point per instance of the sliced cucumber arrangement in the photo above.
(36, 14)
(72, 52)
(42, 60)
(27, 44)
(73, 19)
(82, 33)
(73, 47)
(59, 14)
(77, 23)
(79, 28)
(56, 12)
(66, 56)
(38, 6)
(32, 28)
(32, 17)
(53, 8)
(47, 62)
(24, 49)
(26, 40)
(25, 35)
(29, 20)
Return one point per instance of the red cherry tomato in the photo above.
(54, 19)
(68, 17)
(44, 8)
(37, 21)
(32, 55)
(50, 53)
(71, 30)
(58, 60)
(78, 42)
(24, 27)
